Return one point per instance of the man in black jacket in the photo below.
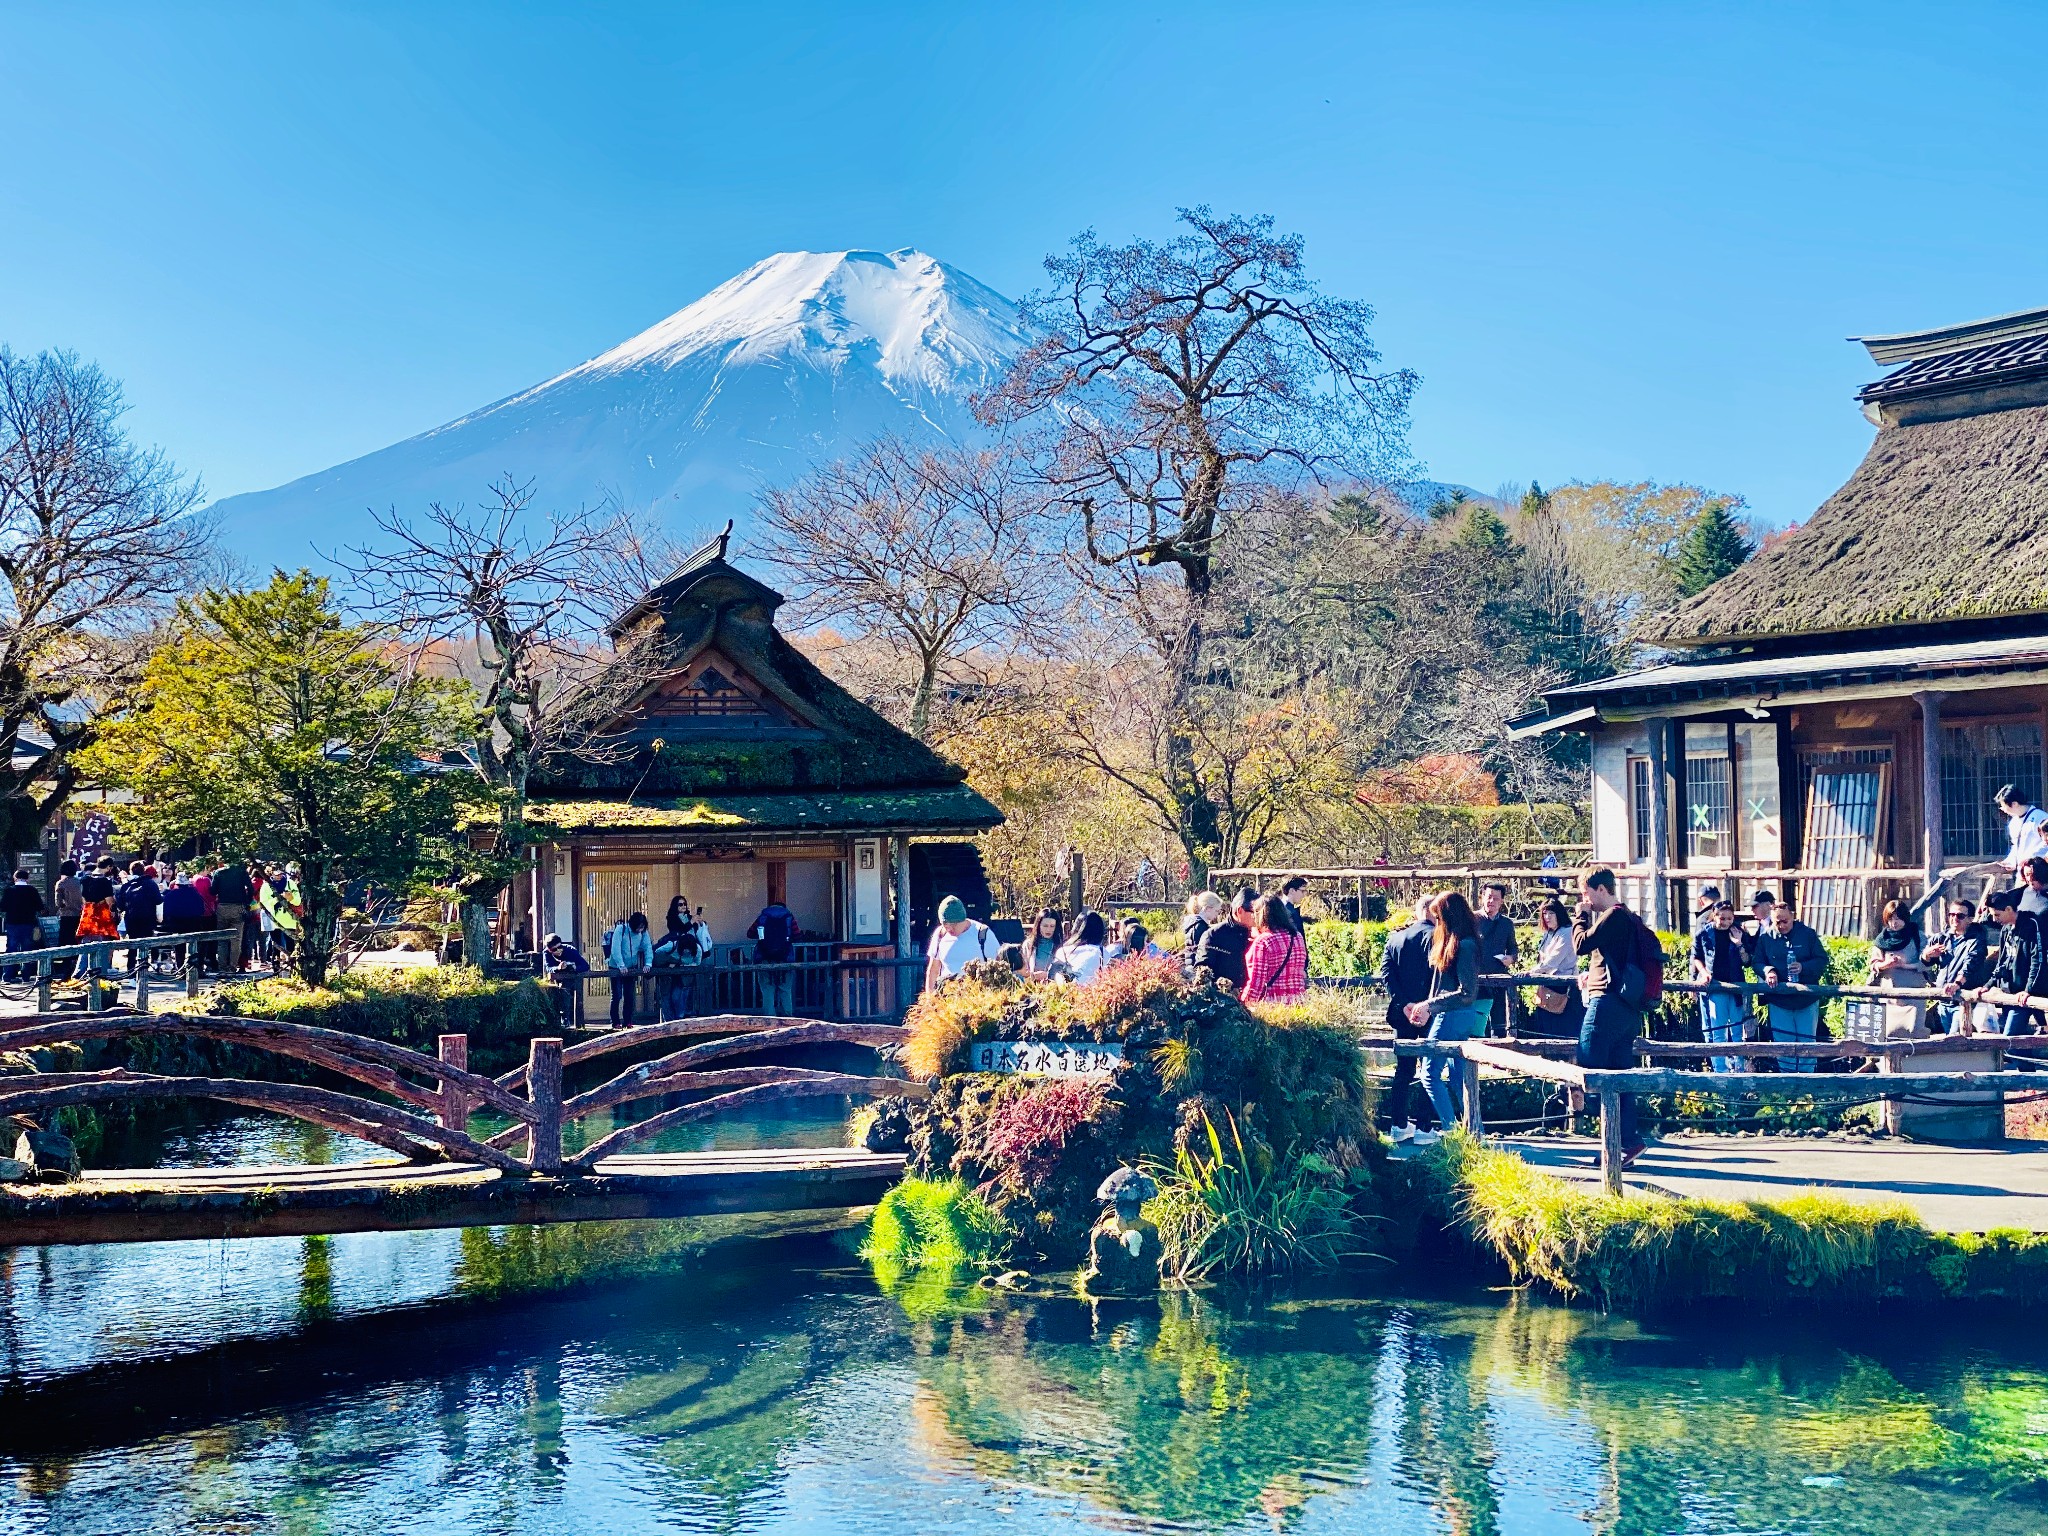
(1405, 974)
(2010, 1001)
(21, 906)
(1222, 949)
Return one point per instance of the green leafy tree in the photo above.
(1713, 545)
(271, 726)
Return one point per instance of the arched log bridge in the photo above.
(449, 1175)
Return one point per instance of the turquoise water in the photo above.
(439, 1383)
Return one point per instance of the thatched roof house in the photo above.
(746, 776)
(1792, 728)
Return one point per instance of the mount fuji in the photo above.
(800, 358)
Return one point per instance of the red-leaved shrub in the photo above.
(1026, 1134)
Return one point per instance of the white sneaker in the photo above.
(1404, 1133)
(1425, 1139)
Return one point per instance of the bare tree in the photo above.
(937, 553)
(521, 613)
(97, 535)
(1175, 384)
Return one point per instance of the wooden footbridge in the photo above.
(447, 1174)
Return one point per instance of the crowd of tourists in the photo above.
(255, 911)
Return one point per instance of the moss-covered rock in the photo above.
(1036, 1148)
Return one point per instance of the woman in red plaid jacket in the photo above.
(1276, 964)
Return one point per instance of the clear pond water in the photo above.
(646, 1378)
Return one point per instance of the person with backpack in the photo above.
(683, 948)
(1624, 975)
(234, 893)
(957, 942)
(137, 902)
(628, 954)
(774, 934)
(1789, 953)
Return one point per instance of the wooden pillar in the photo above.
(1610, 1142)
(454, 1113)
(1660, 824)
(905, 947)
(1471, 1116)
(1933, 827)
(43, 984)
(544, 1090)
(141, 958)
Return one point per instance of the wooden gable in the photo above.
(713, 694)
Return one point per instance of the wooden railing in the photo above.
(435, 1096)
(1605, 1086)
(93, 961)
(859, 990)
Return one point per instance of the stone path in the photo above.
(1955, 1189)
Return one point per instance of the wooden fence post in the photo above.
(43, 984)
(1471, 1117)
(454, 1113)
(544, 1090)
(192, 970)
(141, 959)
(95, 963)
(1610, 1142)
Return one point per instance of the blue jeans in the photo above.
(1451, 1024)
(1795, 1026)
(1607, 1039)
(1722, 1020)
(1484, 1010)
(22, 936)
(678, 993)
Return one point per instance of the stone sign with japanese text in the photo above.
(1047, 1058)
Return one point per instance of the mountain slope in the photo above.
(801, 357)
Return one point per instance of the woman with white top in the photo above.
(1082, 956)
(1559, 1010)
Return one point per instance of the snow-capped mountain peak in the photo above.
(802, 357)
(914, 308)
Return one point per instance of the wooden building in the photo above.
(747, 776)
(1850, 699)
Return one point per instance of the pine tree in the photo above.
(1712, 547)
(1535, 500)
(1484, 531)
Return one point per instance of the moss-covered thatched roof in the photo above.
(952, 809)
(1943, 520)
(816, 737)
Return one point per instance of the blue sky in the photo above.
(1616, 241)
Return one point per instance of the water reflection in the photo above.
(640, 1376)
(786, 1396)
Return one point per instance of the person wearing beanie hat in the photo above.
(957, 942)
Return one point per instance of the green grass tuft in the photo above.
(1642, 1253)
(933, 1223)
